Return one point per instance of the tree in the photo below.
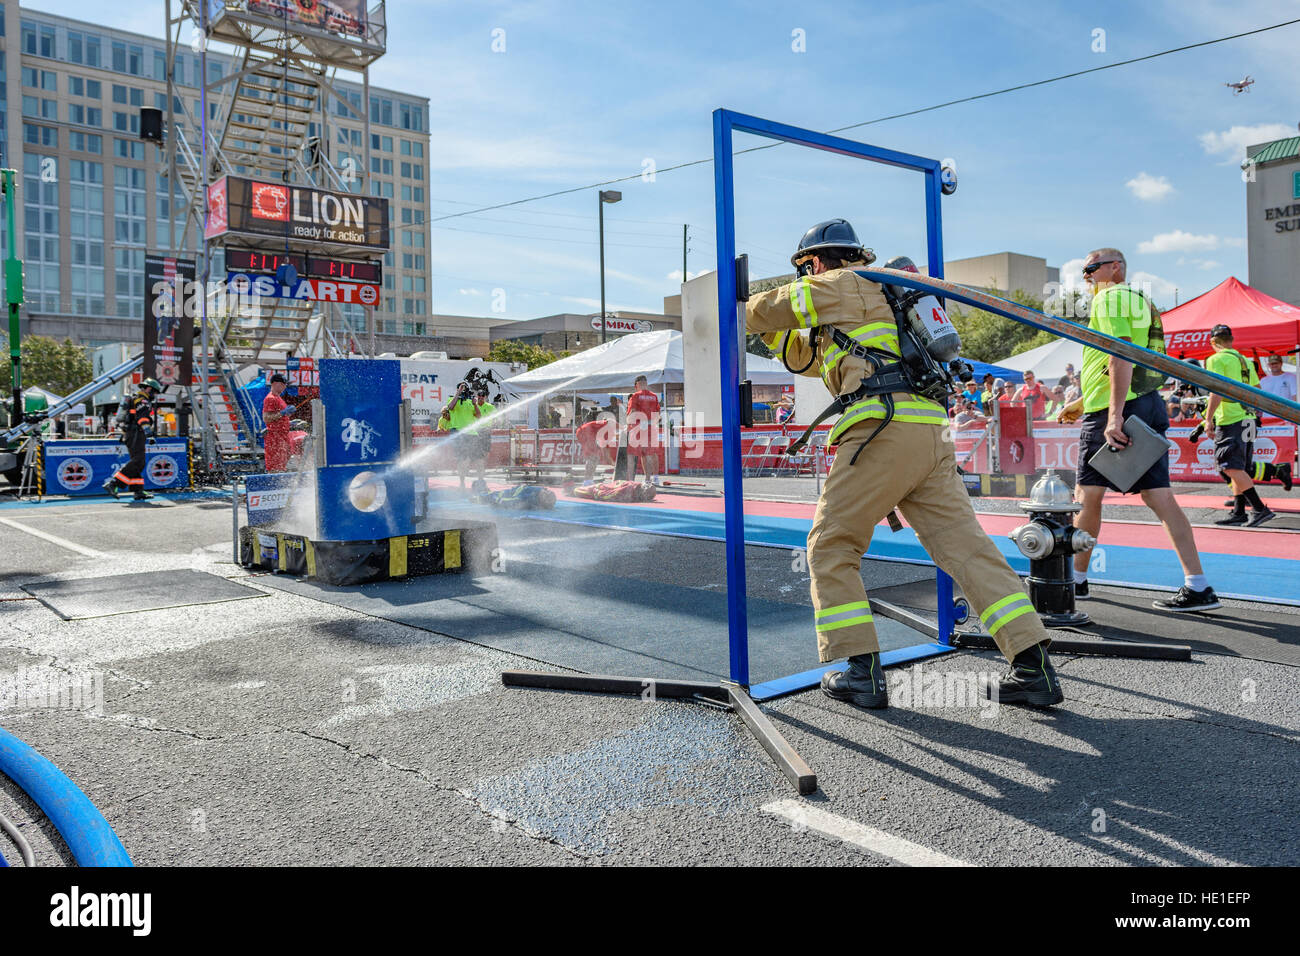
(754, 343)
(987, 337)
(508, 350)
(58, 367)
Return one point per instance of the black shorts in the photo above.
(1230, 447)
(1151, 409)
(473, 445)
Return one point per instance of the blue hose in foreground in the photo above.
(83, 828)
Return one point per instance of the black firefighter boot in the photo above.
(1032, 680)
(110, 486)
(862, 685)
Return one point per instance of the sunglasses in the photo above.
(1089, 270)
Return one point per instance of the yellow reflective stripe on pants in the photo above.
(802, 303)
(1008, 609)
(843, 615)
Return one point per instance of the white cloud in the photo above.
(1149, 188)
(1204, 264)
(1162, 290)
(1232, 142)
(676, 275)
(469, 292)
(1235, 243)
(1072, 275)
(1178, 241)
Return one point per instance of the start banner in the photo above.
(82, 467)
(315, 290)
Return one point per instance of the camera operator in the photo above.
(465, 417)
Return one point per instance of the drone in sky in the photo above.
(1241, 86)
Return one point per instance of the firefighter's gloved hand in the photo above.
(1196, 434)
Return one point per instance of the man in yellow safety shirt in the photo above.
(467, 416)
(1234, 435)
(908, 464)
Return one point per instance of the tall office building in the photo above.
(95, 196)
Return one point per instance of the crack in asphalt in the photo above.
(465, 794)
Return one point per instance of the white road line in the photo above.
(868, 838)
(55, 539)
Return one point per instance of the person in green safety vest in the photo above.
(465, 416)
(1234, 435)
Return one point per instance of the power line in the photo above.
(882, 119)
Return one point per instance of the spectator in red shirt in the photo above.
(275, 413)
(643, 428)
(1032, 391)
(597, 438)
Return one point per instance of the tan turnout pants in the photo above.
(911, 467)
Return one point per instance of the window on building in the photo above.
(86, 221)
(34, 135)
(76, 52)
(128, 282)
(85, 142)
(119, 56)
(40, 79)
(41, 231)
(128, 149)
(119, 94)
(126, 122)
(160, 66)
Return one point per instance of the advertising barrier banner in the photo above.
(268, 497)
(331, 16)
(81, 467)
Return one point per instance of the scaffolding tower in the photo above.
(267, 119)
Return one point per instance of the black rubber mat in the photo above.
(81, 598)
(1253, 631)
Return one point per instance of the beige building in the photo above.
(1004, 272)
(95, 199)
(1273, 218)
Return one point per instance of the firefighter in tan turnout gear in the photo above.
(834, 323)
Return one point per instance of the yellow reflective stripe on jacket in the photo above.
(878, 335)
(843, 615)
(802, 304)
(1008, 609)
(917, 410)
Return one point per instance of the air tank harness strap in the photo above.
(887, 379)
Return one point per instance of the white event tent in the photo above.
(614, 367)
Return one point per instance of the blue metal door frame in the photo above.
(725, 123)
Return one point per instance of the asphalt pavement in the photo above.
(293, 730)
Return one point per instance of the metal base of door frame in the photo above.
(723, 694)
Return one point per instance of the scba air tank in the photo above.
(926, 315)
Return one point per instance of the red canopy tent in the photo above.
(1260, 323)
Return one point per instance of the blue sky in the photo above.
(1144, 157)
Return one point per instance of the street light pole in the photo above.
(610, 196)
